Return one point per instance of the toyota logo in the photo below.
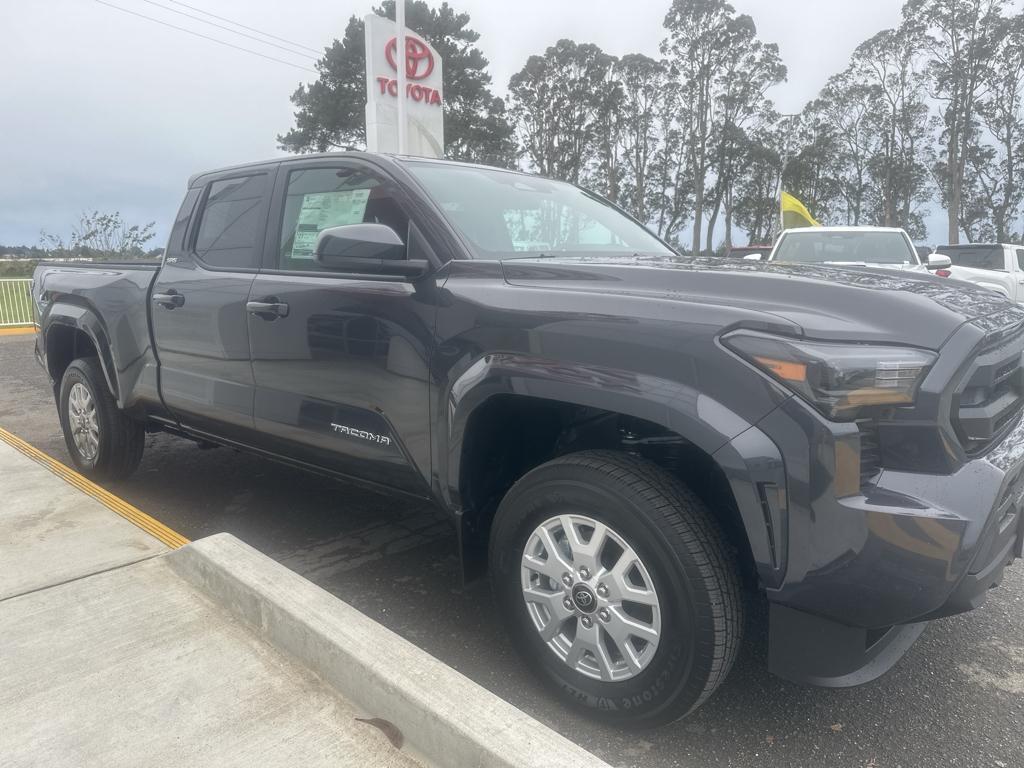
(584, 598)
(419, 61)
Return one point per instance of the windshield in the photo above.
(511, 215)
(976, 257)
(810, 247)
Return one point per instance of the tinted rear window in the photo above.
(232, 222)
(980, 257)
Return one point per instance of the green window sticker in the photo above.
(323, 210)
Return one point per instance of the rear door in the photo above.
(198, 305)
(341, 361)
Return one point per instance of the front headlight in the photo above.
(837, 379)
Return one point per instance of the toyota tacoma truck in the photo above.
(632, 443)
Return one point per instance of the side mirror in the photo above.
(939, 261)
(366, 249)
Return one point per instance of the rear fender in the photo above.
(81, 318)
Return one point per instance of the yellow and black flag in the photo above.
(795, 214)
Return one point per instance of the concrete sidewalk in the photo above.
(117, 649)
(52, 532)
(110, 658)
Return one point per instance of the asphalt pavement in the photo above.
(956, 699)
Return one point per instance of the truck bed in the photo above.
(107, 302)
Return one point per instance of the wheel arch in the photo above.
(509, 413)
(72, 331)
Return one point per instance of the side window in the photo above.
(231, 224)
(320, 198)
(176, 242)
(1020, 259)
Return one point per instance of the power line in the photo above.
(226, 29)
(243, 26)
(207, 37)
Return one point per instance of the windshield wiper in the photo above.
(530, 256)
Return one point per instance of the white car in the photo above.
(991, 265)
(885, 247)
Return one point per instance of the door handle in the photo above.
(170, 300)
(268, 309)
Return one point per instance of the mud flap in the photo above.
(809, 649)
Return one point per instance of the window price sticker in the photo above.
(323, 210)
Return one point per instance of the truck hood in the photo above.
(840, 303)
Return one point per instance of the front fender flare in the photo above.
(677, 407)
(750, 461)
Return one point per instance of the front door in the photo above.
(198, 306)
(340, 363)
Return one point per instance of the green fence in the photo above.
(16, 303)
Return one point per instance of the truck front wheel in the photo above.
(103, 442)
(618, 586)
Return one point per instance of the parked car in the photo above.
(750, 252)
(990, 265)
(882, 247)
(621, 436)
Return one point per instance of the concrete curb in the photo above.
(443, 716)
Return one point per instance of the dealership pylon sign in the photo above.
(424, 92)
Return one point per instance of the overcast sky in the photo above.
(103, 110)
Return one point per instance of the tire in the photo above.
(690, 635)
(118, 441)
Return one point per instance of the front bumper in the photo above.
(909, 547)
(852, 579)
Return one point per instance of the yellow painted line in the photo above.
(19, 330)
(153, 527)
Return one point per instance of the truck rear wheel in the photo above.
(618, 586)
(103, 442)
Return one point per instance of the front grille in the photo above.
(991, 394)
(870, 453)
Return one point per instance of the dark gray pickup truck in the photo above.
(634, 444)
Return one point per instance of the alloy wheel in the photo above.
(84, 423)
(590, 597)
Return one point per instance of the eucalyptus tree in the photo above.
(671, 171)
(699, 36)
(813, 167)
(757, 186)
(844, 112)
(890, 66)
(749, 69)
(645, 97)
(561, 103)
(997, 167)
(959, 39)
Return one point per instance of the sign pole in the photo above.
(401, 59)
